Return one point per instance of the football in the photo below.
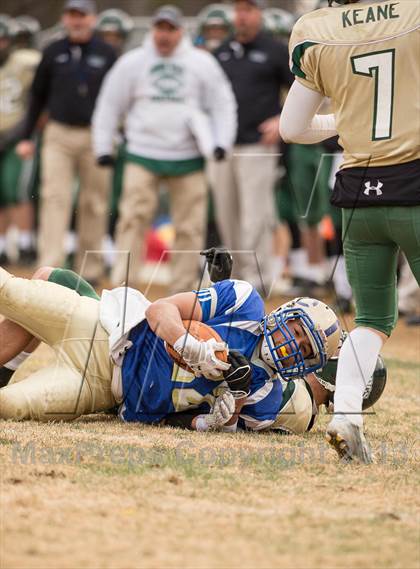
(201, 331)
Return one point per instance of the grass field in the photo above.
(99, 493)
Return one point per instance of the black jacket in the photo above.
(257, 71)
(67, 82)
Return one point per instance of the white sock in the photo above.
(108, 250)
(298, 262)
(25, 239)
(17, 361)
(340, 280)
(70, 245)
(278, 264)
(317, 272)
(356, 365)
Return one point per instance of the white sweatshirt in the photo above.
(174, 108)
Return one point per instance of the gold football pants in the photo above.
(78, 380)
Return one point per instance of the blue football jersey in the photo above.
(153, 386)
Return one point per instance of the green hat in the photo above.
(279, 22)
(215, 15)
(115, 20)
(261, 4)
(6, 26)
(27, 25)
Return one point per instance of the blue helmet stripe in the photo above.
(332, 328)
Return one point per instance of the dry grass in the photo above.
(98, 493)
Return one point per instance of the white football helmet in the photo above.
(320, 324)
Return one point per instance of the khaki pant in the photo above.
(138, 205)
(79, 380)
(67, 153)
(242, 187)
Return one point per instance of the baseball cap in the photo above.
(217, 17)
(170, 14)
(261, 4)
(83, 6)
(5, 26)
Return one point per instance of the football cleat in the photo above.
(348, 440)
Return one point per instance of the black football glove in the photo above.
(219, 263)
(239, 375)
(219, 154)
(105, 161)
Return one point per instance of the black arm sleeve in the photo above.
(181, 420)
(38, 95)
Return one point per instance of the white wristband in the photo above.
(182, 341)
(17, 361)
(230, 428)
(201, 423)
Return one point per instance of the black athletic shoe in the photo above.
(4, 259)
(412, 320)
(307, 287)
(27, 257)
(343, 305)
(5, 375)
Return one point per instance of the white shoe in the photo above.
(348, 440)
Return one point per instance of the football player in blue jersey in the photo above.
(266, 352)
(290, 343)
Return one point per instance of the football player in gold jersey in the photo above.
(17, 68)
(363, 57)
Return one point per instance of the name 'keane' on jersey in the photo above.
(371, 14)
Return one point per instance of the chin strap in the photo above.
(325, 384)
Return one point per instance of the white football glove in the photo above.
(222, 412)
(201, 357)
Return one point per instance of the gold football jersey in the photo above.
(15, 80)
(366, 58)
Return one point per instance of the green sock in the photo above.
(73, 281)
